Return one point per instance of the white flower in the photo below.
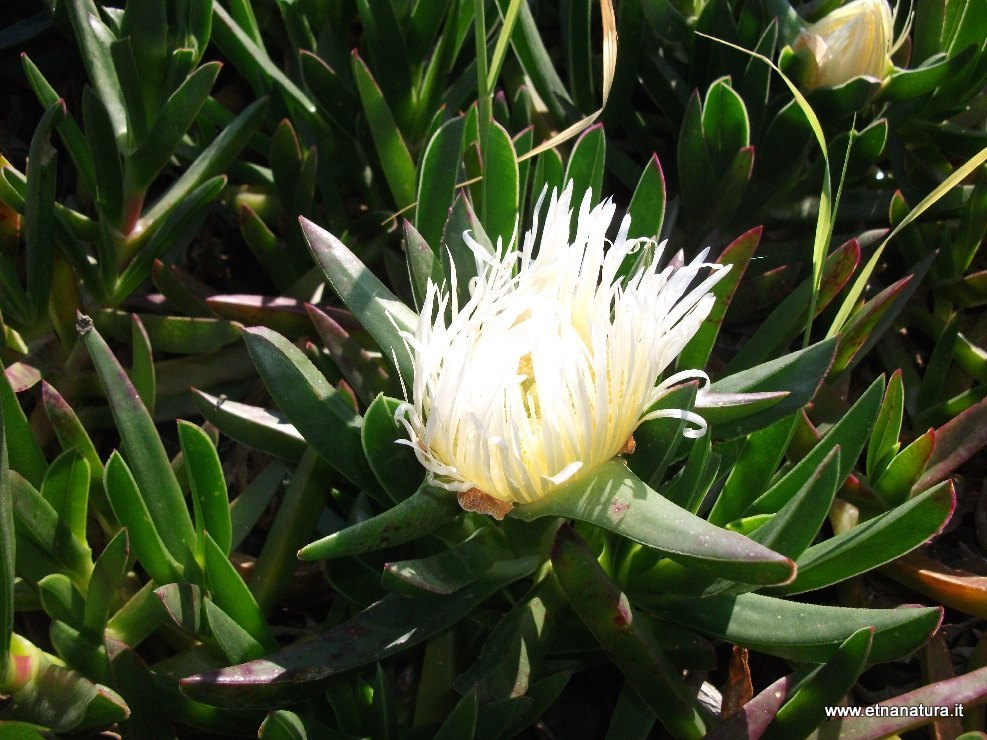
(853, 41)
(552, 363)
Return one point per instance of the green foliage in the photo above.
(351, 147)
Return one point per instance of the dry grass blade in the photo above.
(826, 217)
(463, 184)
(609, 69)
(961, 173)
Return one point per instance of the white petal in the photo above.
(550, 365)
(565, 474)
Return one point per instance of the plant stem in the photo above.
(483, 96)
(292, 528)
(138, 618)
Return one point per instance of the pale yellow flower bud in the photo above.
(853, 41)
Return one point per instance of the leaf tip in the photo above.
(83, 324)
(793, 571)
(192, 682)
(309, 228)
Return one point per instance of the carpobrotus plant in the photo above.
(687, 578)
(702, 471)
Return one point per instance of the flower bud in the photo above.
(852, 41)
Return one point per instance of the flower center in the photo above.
(529, 389)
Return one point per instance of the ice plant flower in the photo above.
(853, 41)
(552, 363)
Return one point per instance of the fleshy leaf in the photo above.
(956, 442)
(183, 602)
(499, 202)
(236, 643)
(156, 701)
(822, 689)
(875, 542)
(866, 324)
(586, 163)
(23, 453)
(424, 264)
(514, 646)
(296, 518)
(788, 532)
(7, 557)
(285, 725)
(456, 254)
(363, 371)
(151, 467)
(66, 702)
(850, 433)
(954, 588)
(39, 204)
(449, 570)
(903, 471)
(647, 207)
(398, 167)
(614, 498)
(799, 373)
(788, 318)
(108, 575)
(253, 500)
(66, 488)
(37, 523)
(284, 315)
(207, 482)
(393, 624)
(315, 408)
(793, 528)
(131, 510)
(394, 464)
(170, 333)
(883, 442)
(69, 430)
(754, 716)
(738, 254)
(720, 408)
(967, 689)
(657, 440)
(608, 614)
(232, 595)
(376, 307)
(437, 181)
(422, 512)
(759, 459)
(812, 632)
(253, 426)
